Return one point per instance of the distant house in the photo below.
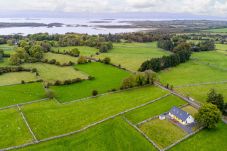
(181, 116)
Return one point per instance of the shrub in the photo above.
(94, 93)
(22, 82)
(82, 60)
(91, 77)
(50, 94)
(106, 60)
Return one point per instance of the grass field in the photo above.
(22, 93)
(50, 118)
(52, 73)
(107, 77)
(60, 58)
(5, 62)
(7, 48)
(112, 135)
(222, 48)
(218, 30)
(189, 109)
(84, 50)
(200, 92)
(13, 130)
(206, 140)
(154, 109)
(132, 55)
(162, 132)
(16, 78)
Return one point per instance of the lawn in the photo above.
(107, 77)
(60, 58)
(191, 110)
(200, 92)
(16, 78)
(162, 132)
(15, 94)
(50, 118)
(112, 135)
(84, 50)
(53, 73)
(132, 55)
(13, 130)
(154, 109)
(206, 140)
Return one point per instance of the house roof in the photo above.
(179, 113)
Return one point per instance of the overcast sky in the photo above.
(200, 7)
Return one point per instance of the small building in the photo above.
(181, 116)
(162, 117)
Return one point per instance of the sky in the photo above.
(198, 7)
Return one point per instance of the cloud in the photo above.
(204, 7)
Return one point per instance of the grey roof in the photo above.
(179, 113)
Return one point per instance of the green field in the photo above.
(15, 94)
(107, 77)
(7, 48)
(189, 109)
(84, 50)
(16, 78)
(112, 135)
(206, 140)
(132, 55)
(200, 92)
(222, 48)
(13, 130)
(50, 118)
(154, 109)
(162, 132)
(60, 58)
(52, 73)
(218, 30)
(5, 62)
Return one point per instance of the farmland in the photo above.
(84, 50)
(60, 58)
(132, 55)
(218, 30)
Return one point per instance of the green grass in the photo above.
(222, 48)
(22, 93)
(16, 78)
(107, 77)
(162, 132)
(218, 30)
(50, 118)
(13, 130)
(189, 109)
(60, 58)
(206, 140)
(5, 62)
(7, 48)
(52, 73)
(154, 109)
(200, 93)
(112, 135)
(132, 55)
(84, 50)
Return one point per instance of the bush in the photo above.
(22, 82)
(82, 60)
(94, 93)
(50, 94)
(106, 60)
(91, 77)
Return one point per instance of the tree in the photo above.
(165, 44)
(75, 52)
(216, 99)
(82, 60)
(1, 55)
(106, 60)
(208, 115)
(36, 52)
(14, 59)
(128, 82)
(94, 93)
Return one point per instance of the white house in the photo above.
(181, 116)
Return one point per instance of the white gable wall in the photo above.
(190, 120)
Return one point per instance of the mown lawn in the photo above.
(21, 93)
(206, 140)
(107, 77)
(200, 92)
(154, 109)
(84, 50)
(162, 132)
(16, 78)
(52, 73)
(13, 130)
(132, 55)
(50, 118)
(112, 135)
(60, 58)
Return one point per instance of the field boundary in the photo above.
(20, 104)
(199, 84)
(86, 127)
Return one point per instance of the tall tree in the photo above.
(216, 99)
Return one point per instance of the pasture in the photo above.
(13, 130)
(218, 30)
(7, 48)
(151, 110)
(111, 135)
(22, 93)
(16, 78)
(107, 78)
(162, 132)
(52, 73)
(222, 48)
(84, 50)
(132, 55)
(60, 58)
(50, 118)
